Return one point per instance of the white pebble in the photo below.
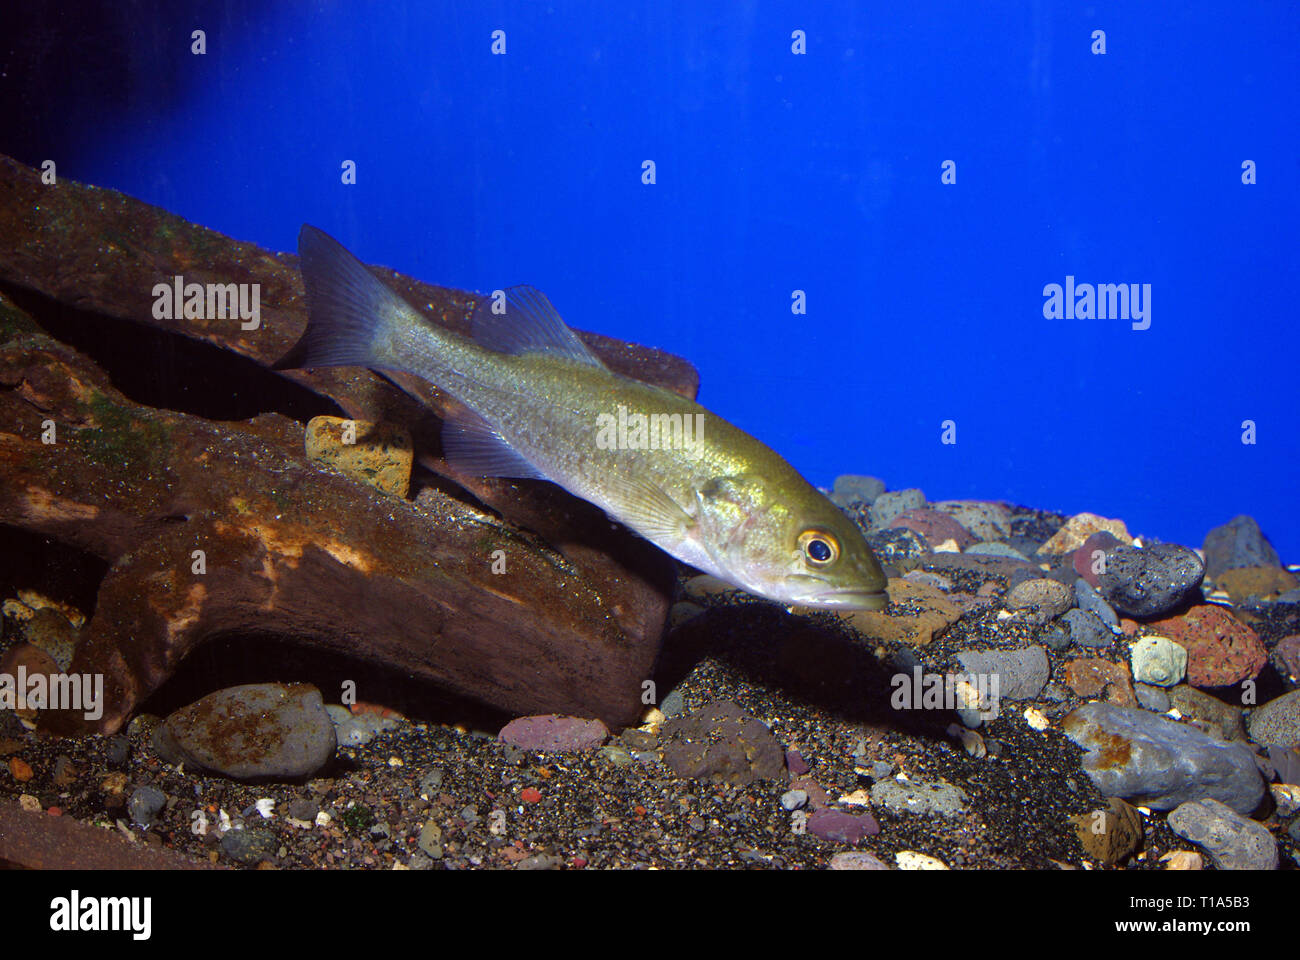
(911, 860)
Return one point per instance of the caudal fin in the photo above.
(352, 316)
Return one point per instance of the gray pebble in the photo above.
(1152, 760)
(921, 797)
(1089, 599)
(794, 799)
(1021, 673)
(1277, 723)
(357, 729)
(1232, 841)
(1151, 698)
(851, 490)
(145, 805)
(254, 731)
(1087, 630)
(1237, 543)
(1150, 581)
(249, 846)
(995, 549)
(889, 506)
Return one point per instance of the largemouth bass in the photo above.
(540, 405)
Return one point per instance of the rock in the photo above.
(1286, 797)
(996, 549)
(917, 614)
(145, 804)
(986, 521)
(1268, 583)
(431, 839)
(1150, 581)
(900, 547)
(921, 797)
(1151, 698)
(1087, 598)
(1157, 660)
(720, 741)
(936, 527)
(682, 613)
(1096, 678)
(794, 799)
(889, 505)
(938, 581)
(377, 454)
(911, 860)
(255, 731)
(1183, 860)
(1232, 841)
(1078, 529)
(1153, 761)
(841, 827)
(554, 733)
(1056, 637)
(856, 860)
(358, 729)
(983, 566)
(1021, 673)
(1225, 719)
(1089, 560)
(1277, 722)
(249, 846)
(1285, 764)
(1087, 630)
(1041, 599)
(1221, 650)
(705, 585)
(1286, 657)
(1238, 543)
(851, 490)
(795, 763)
(1111, 835)
(50, 630)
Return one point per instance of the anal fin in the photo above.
(471, 445)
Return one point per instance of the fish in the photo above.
(538, 404)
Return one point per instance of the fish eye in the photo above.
(819, 547)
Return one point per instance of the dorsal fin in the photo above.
(529, 325)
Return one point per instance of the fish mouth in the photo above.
(852, 599)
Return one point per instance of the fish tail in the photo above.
(353, 320)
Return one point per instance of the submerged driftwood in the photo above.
(288, 548)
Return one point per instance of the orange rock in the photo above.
(1094, 677)
(20, 769)
(1221, 650)
(916, 615)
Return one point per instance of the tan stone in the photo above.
(380, 454)
(1094, 677)
(916, 615)
(1246, 582)
(1078, 529)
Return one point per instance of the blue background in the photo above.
(779, 172)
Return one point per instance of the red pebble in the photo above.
(530, 794)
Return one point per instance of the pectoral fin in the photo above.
(649, 510)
